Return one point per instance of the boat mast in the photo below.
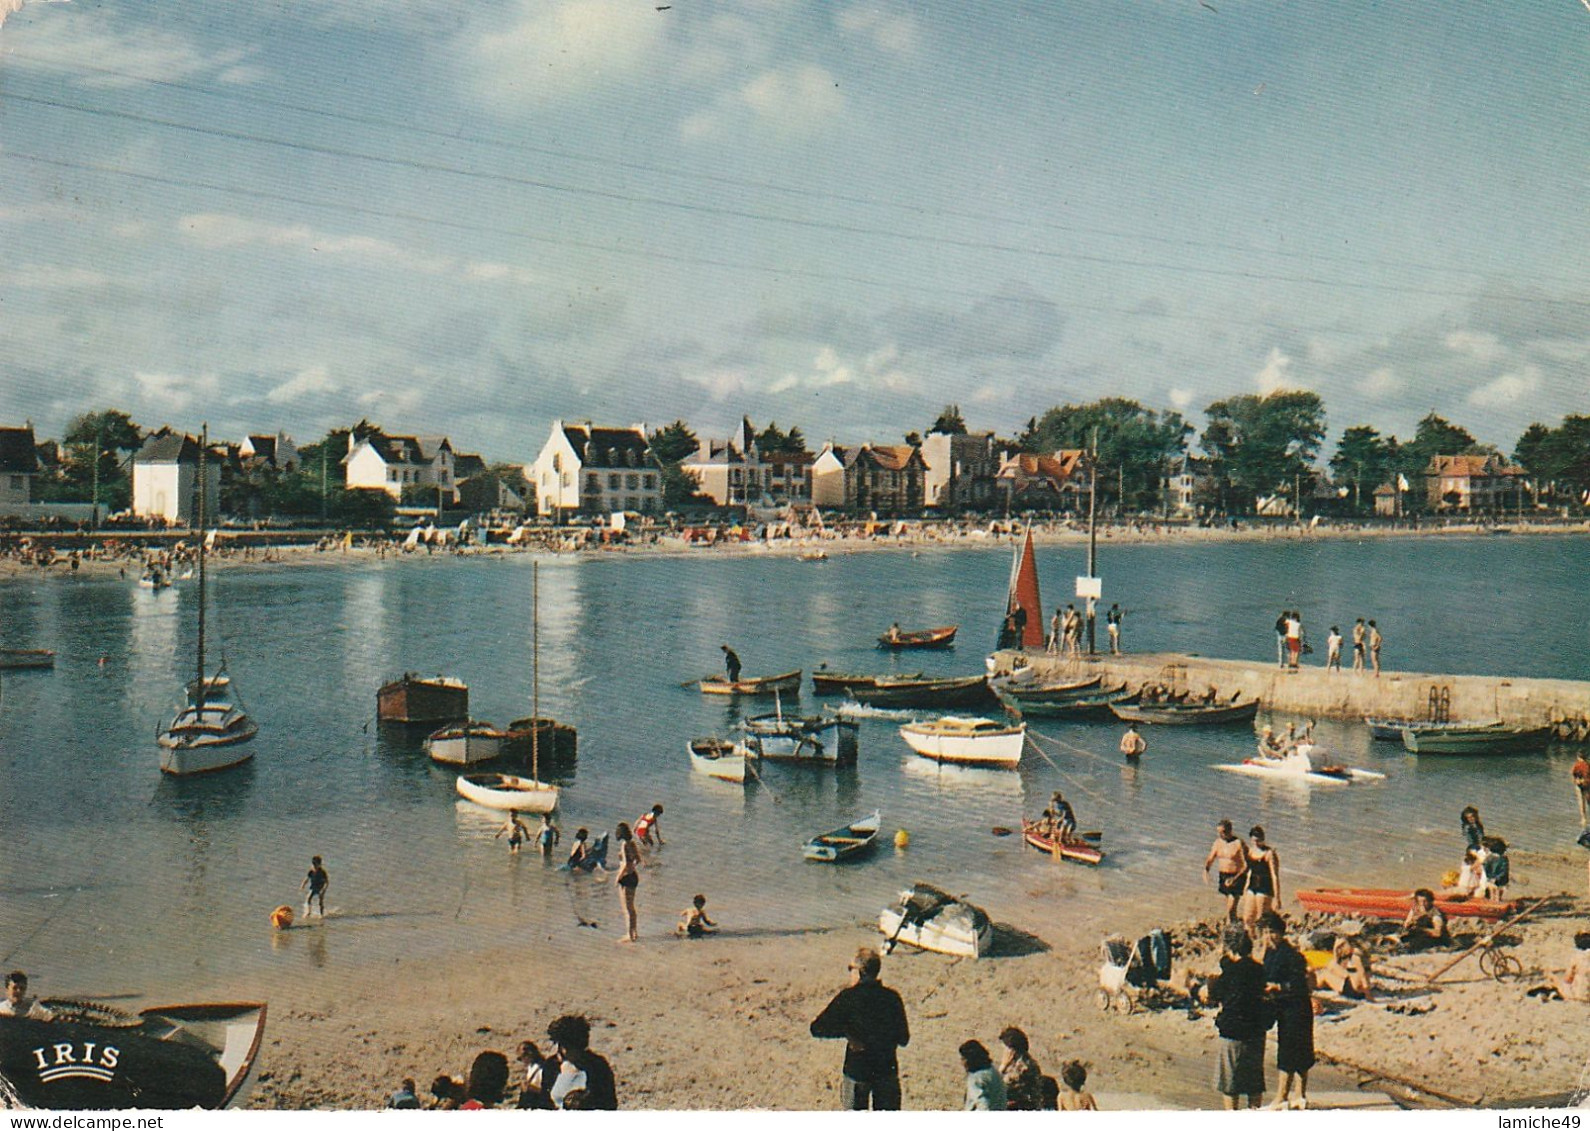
(535, 671)
(198, 693)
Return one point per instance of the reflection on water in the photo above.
(184, 873)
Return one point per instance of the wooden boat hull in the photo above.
(842, 683)
(763, 685)
(824, 741)
(1186, 716)
(556, 746)
(1473, 740)
(469, 745)
(930, 919)
(168, 1057)
(1080, 707)
(929, 694)
(1025, 692)
(508, 792)
(1081, 852)
(999, 746)
(851, 841)
(414, 699)
(717, 758)
(201, 742)
(1386, 903)
(926, 638)
(26, 659)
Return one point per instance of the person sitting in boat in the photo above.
(19, 1003)
(693, 921)
(1425, 926)
(1349, 972)
(894, 632)
(1065, 819)
(1270, 746)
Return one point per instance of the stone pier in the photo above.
(1313, 692)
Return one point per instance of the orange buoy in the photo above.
(282, 917)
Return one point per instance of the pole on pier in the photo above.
(1093, 531)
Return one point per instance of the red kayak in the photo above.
(1386, 903)
(1078, 850)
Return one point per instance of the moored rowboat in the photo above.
(922, 638)
(930, 694)
(1491, 738)
(1186, 714)
(852, 840)
(967, 741)
(467, 744)
(21, 659)
(825, 682)
(1387, 903)
(508, 791)
(717, 758)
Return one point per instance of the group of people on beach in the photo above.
(1291, 644)
(870, 1018)
(570, 1077)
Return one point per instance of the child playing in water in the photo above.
(693, 921)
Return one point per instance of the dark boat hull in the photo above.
(841, 683)
(415, 700)
(926, 693)
(1186, 716)
(927, 638)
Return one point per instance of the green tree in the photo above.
(1134, 444)
(771, 441)
(108, 438)
(673, 443)
(913, 439)
(1360, 458)
(950, 421)
(1265, 444)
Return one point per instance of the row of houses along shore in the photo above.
(584, 470)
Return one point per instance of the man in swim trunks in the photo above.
(1229, 856)
(517, 832)
(1132, 743)
(1358, 645)
(316, 883)
(548, 835)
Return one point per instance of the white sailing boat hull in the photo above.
(202, 757)
(966, 750)
(464, 749)
(526, 795)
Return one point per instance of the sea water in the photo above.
(115, 879)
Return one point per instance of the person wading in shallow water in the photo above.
(1229, 856)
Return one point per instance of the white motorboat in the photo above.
(967, 741)
(1305, 763)
(931, 919)
(508, 791)
(717, 758)
(467, 744)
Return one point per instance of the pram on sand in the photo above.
(1134, 973)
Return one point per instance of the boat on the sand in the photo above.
(1389, 903)
(931, 919)
(841, 844)
(94, 1057)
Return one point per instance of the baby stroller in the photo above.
(1135, 973)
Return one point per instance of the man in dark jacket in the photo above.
(1242, 1021)
(871, 1018)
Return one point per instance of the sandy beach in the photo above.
(721, 1023)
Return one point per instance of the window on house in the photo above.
(651, 482)
(16, 482)
(630, 503)
(613, 482)
(631, 482)
(593, 483)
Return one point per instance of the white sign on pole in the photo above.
(1090, 587)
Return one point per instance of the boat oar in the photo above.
(692, 682)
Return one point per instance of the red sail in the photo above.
(1024, 595)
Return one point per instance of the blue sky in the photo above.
(474, 218)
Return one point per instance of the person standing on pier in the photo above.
(1294, 639)
(731, 663)
(1229, 856)
(1358, 645)
(1113, 622)
(1374, 647)
(1054, 632)
(1280, 637)
(1581, 786)
(1333, 650)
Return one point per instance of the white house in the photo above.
(277, 452)
(583, 469)
(961, 471)
(390, 463)
(165, 479)
(828, 477)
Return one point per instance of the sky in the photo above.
(473, 219)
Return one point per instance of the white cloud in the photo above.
(305, 383)
(47, 277)
(1507, 390)
(172, 392)
(894, 32)
(797, 98)
(1180, 398)
(1276, 374)
(1380, 384)
(219, 231)
(553, 52)
(1480, 346)
(93, 41)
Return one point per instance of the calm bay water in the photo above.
(114, 879)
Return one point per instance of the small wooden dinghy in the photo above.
(1076, 850)
(717, 758)
(23, 659)
(943, 637)
(852, 840)
(508, 791)
(760, 685)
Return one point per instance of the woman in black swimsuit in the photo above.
(628, 877)
(1264, 878)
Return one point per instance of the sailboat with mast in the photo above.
(212, 731)
(514, 791)
(1022, 627)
